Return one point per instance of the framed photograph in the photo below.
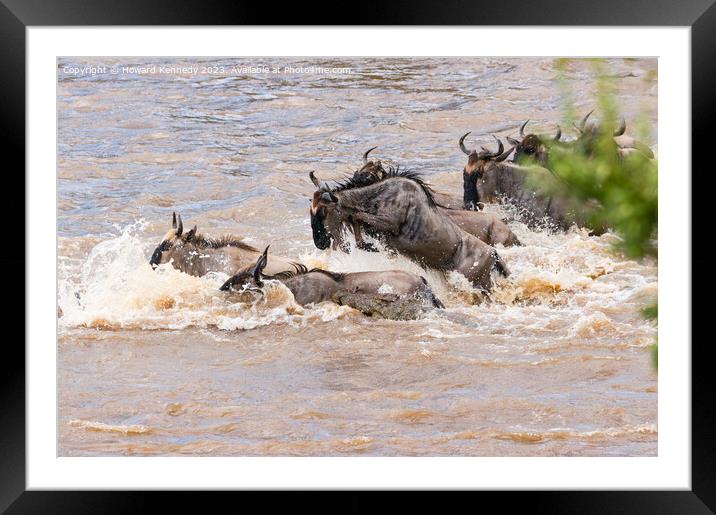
(303, 257)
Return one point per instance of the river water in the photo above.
(556, 363)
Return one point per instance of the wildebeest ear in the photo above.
(191, 233)
(513, 141)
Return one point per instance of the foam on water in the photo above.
(116, 288)
(554, 277)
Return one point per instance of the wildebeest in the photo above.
(536, 147)
(327, 228)
(487, 178)
(370, 168)
(470, 198)
(196, 254)
(401, 210)
(623, 144)
(487, 227)
(372, 171)
(391, 293)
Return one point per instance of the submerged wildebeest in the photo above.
(196, 254)
(488, 178)
(391, 294)
(327, 228)
(402, 212)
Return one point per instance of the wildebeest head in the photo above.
(325, 223)
(474, 172)
(591, 132)
(249, 278)
(173, 239)
(533, 146)
(371, 170)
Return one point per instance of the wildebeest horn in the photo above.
(462, 144)
(174, 220)
(504, 155)
(365, 156)
(321, 185)
(621, 129)
(559, 133)
(500, 146)
(500, 149)
(584, 120)
(259, 267)
(513, 141)
(522, 129)
(180, 227)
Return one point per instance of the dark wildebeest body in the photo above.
(390, 293)
(401, 210)
(197, 255)
(487, 227)
(327, 226)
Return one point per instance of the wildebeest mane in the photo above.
(300, 269)
(362, 181)
(207, 242)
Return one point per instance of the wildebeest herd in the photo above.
(437, 230)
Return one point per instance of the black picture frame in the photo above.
(700, 15)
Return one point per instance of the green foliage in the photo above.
(651, 312)
(606, 188)
(610, 190)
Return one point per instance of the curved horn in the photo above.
(365, 156)
(577, 127)
(321, 185)
(487, 154)
(500, 146)
(180, 228)
(462, 145)
(622, 128)
(174, 220)
(584, 120)
(504, 155)
(559, 133)
(259, 267)
(522, 129)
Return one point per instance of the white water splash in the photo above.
(564, 276)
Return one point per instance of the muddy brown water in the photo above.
(160, 363)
